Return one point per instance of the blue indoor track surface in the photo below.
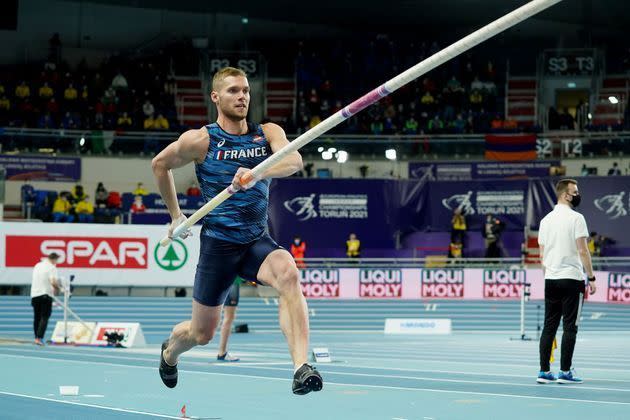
(477, 372)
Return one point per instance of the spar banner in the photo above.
(466, 171)
(476, 199)
(41, 168)
(102, 255)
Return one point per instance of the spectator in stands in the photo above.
(298, 250)
(140, 190)
(85, 95)
(5, 109)
(61, 210)
(476, 85)
(124, 122)
(376, 127)
(148, 109)
(353, 247)
(427, 102)
(46, 121)
(78, 194)
(411, 126)
(68, 122)
(614, 170)
(435, 125)
(476, 100)
(85, 210)
(138, 206)
(455, 251)
(45, 284)
(70, 96)
(119, 82)
(149, 123)
(193, 190)
(491, 231)
(161, 123)
(100, 195)
(23, 91)
(567, 122)
(45, 93)
(458, 226)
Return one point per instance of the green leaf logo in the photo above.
(173, 257)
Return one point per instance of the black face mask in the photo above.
(575, 201)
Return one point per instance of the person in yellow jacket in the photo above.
(353, 246)
(85, 210)
(458, 226)
(61, 210)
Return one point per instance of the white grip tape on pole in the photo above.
(373, 96)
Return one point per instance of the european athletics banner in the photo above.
(477, 170)
(507, 147)
(41, 168)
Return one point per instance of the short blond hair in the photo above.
(220, 76)
(563, 186)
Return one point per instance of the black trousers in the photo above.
(563, 299)
(42, 307)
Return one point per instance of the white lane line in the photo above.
(441, 391)
(421, 378)
(102, 407)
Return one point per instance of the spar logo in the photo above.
(504, 284)
(442, 283)
(173, 257)
(619, 287)
(319, 283)
(380, 283)
(77, 251)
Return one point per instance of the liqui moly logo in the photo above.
(619, 287)
(503, 284)
(319, 283)
(438, 283)
(377, 283)
(77, 251)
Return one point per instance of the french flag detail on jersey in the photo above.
(219, 155)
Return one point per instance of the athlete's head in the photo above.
(230, 93)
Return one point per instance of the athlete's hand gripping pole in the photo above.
(368, 99)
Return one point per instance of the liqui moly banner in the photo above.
(442, 283)
(319, 283)
(503, 284)
(619, 287)
(380, 283)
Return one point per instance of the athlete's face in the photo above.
(232, 97)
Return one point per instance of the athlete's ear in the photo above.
(214, 95)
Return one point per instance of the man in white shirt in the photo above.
(563, 246)
(45, 284)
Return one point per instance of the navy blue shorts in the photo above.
(221, 261)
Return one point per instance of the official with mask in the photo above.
(565, 256)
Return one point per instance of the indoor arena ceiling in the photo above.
(599, 13)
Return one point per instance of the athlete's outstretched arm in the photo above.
(191, 146)
(277, 140)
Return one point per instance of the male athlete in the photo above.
(234, 238)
